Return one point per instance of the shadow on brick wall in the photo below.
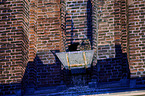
(112, 69)
(13, 88)
(75, 33)
(28, 81)
(89, 21)
(39, 75)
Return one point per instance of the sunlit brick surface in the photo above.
(32, 29)
(48, 29)
(13, 43)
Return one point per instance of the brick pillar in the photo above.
(48, 42)
(48, 29)
(137, 38)
(30, 73)
(111, 65)
(106, 29)
(13, 44)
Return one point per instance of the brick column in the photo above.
(137, 38)
(30, 73)
(111, 64)
(48, 42)
(13, 44)
(106, 29)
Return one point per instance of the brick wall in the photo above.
(48, 42)
(48, 30)
(13, 44)
(112, 63)
(78, 21)
(115, 29)
(48, 74)
(137, 38)
(112, 69)
(106, 44)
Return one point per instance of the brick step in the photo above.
(99, 88)
(44, 90)
(113, 84)
(77, 90)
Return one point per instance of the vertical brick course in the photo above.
(94, 31)
(124, 26)
(63, 26)
(32, 29)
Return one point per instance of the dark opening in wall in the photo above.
(73, 47)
